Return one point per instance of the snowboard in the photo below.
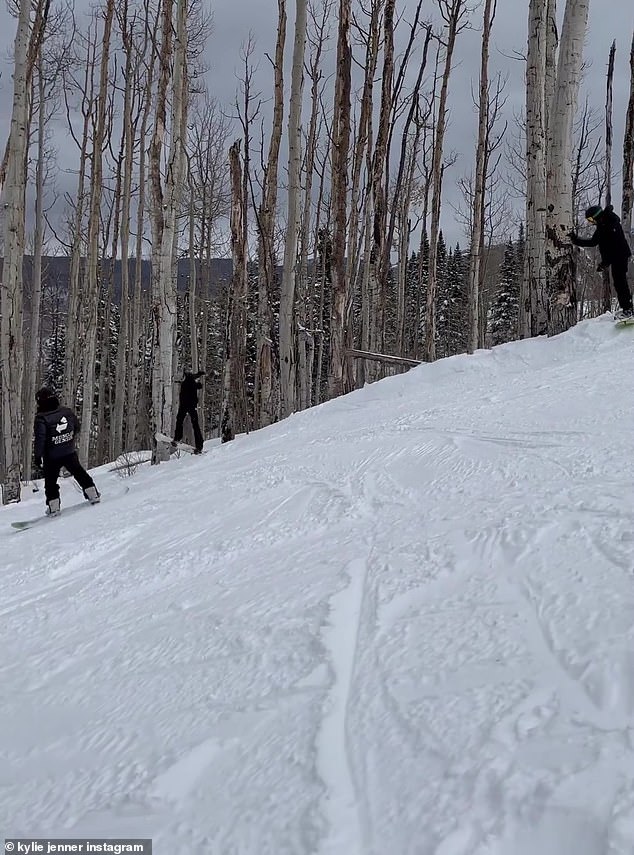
(23, 525)
(623, 322)
(180, 446)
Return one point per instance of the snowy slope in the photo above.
(401, 623)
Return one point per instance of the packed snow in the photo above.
(401, 622)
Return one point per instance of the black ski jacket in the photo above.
(188, 397)
(609, 237)
(55, 431)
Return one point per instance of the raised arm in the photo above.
(591, 241)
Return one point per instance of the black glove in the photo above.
(572, 236)
(38, 467)
(199, 374)
(603, 266)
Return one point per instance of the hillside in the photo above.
(400, 622)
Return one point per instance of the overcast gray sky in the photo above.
(234, 19)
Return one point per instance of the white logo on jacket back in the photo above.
(63, 431)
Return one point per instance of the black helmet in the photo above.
(593, 213)
(44, 394)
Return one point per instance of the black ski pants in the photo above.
(190, 411)
(619, 280)
(52, 470)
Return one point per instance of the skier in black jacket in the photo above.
(614, 249)
(187, 404)
(55, 431)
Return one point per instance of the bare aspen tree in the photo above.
(37, 21)
(165, 203)
(288, 378)
(453, 13)
(110, 235)
(266, 404)
(32, 368)
(559, 257)
(137, 350)
(627, 200)
(532, 295)
(550, 79)
(360, 206)
(586, 162)
(13, 199)
(50, 57)
(479, 188)
(233, 417)
(340, 380)
(74, 324)
(399, 204)
(316, 37)
(609, 100)
(192, 294)
(379, 183)
(606, 295)
(403, 183)
(208, 168)
(129, 125)
(94, 221)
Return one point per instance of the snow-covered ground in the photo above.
(401, 623)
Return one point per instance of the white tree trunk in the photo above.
(559, 257)
(74, 326)
(233, 416)
(532, 297)
(193, 296)
(288, 345)
(33, 368)
(339, 380)
(455, 12)
(136, 356)
(165, 203)
(628, 155)
(380, 186)
(606, 296)
(266, 397)
(123, 344)
(94, 223)
(475, 260)
(11, 287)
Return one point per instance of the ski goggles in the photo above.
(591, 220)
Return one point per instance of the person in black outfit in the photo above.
(187, 404)
(55, 431)
(614, 249)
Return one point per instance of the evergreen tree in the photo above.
(54, 341)
(412, 308)
(53, 352)
(421, 297)
(504, 315)
(252, 329)
(441, 296)
(452, 306)
(323, 279)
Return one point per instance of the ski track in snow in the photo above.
(401, 622)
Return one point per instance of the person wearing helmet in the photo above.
(615, 251)
(55, 429)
